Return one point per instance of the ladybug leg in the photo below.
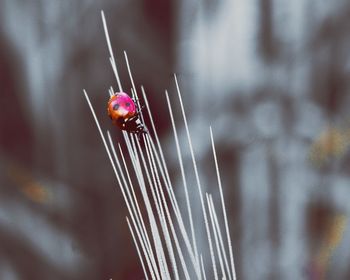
(136, 102)
(120, 123)
(140, 127)
(138, 111)
(140, 131)
(133, 119)
(134, 125)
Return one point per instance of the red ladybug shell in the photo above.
(121, 107)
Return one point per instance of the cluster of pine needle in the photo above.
(167, 249)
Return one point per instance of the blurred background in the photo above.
(271, 77)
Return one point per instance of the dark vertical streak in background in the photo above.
(267, 44)
(274, 206)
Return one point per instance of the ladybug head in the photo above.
(121, 106)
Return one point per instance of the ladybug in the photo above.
(124, 113)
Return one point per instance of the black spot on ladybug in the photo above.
(116, 107)
(127, 104)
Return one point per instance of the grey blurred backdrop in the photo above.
(271, 77)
